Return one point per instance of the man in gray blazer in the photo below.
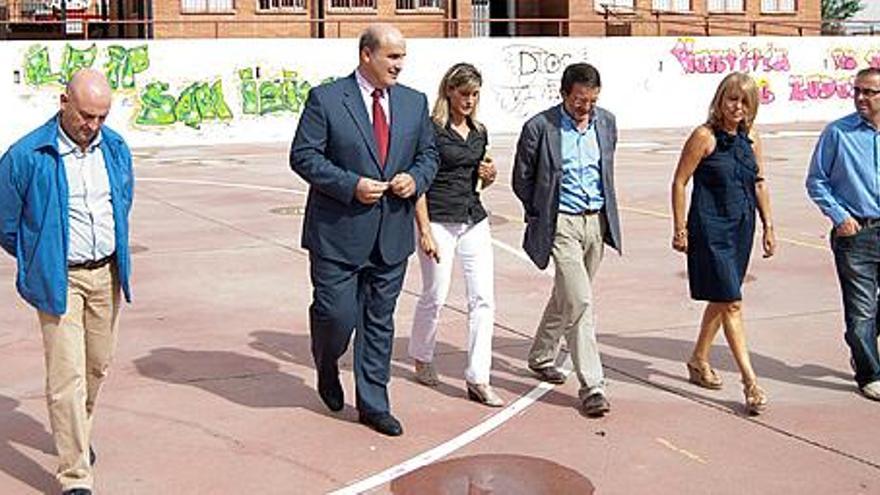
(564, 177)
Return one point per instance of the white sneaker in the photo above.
(872, 390)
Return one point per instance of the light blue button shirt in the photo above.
(844, 176)
(581, 187)
(90, 207)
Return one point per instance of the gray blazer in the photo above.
(537, 172)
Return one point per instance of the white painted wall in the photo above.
(647, 82)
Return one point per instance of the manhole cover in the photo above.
(290, 211)
(493, 474)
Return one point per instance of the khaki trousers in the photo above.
(577, 251)
(78, 349)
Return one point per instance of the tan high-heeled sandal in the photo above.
(426, 374)
(756, 398)
(484, 394)
(701, 374)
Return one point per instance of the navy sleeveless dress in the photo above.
(721, 219)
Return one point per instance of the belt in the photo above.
(868, 222)
(92, 264)
(584, 213)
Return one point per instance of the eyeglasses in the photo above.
(868, 92)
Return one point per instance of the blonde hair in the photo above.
(459, 75)
(743, 86)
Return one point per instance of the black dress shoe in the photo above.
(384, 423)
(92, 457)
(77, 491)
(549, 374)
(331, 393)
(596, 405)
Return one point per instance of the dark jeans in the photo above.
(858, 268)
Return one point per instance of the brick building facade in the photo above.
(438, 18)
(465, 18)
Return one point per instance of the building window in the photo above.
(419, 4)
(480, 18)
(281, 5)
(618, 5)
(672, 5)
(774, 6)
(353, 4)
(722, 6)
(206, 6)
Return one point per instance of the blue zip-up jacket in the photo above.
(34, 213)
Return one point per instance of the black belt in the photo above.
(92, 264)
(584, 213)
(868, 222)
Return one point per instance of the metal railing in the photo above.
(659, 24)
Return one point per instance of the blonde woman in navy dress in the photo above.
(724, 158)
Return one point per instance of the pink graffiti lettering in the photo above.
(718, 61)
(873, 58)
(765, 94)
(819, 87)
(844, 59)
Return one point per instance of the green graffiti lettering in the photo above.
(294, 90)
(73, 60)
(123, 64)
(185, 110)
(250, 101)
(157, 108)
(37, 69)
(286, 94)
(210, 102)
(270, 97)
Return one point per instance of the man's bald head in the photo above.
(84, 106)
(382, 50)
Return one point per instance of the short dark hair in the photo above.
(580, 73)
(868, 71)
(369, 39)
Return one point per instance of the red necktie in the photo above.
(380, 127)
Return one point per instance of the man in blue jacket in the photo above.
(366, 147)
(65, 195)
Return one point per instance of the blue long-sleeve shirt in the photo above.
(581, 185)
(844, 176)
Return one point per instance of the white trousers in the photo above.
(473, 245)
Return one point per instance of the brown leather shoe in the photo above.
(549, 374)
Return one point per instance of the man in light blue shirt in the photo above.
(563, 175)
(844, 182)
(581, 186)
(65, 195)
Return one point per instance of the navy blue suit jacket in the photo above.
(334, 146)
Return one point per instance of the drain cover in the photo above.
(494, 474)
(293, 210)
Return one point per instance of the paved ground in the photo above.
(213, 388)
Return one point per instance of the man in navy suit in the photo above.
(366, 147)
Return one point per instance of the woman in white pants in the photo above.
(452, 222)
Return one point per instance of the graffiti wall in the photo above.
(198, 92)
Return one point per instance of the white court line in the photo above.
(446, 448)
(454, 444)
(232, 185)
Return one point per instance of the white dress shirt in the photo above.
(367, 94)
(90, 216)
